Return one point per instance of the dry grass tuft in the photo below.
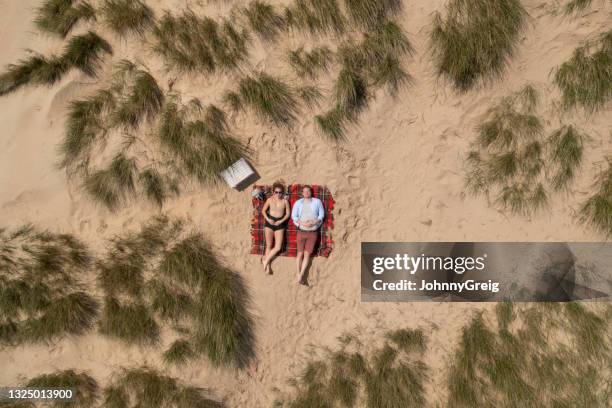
(586, 79)
(41, 276)
(476, 39)
(190, 43)
(167, 274)
(511, 160)
(148, 388)
(524, 362)
(127, 16)
(264, 20)
(389, 375)
(58, 17)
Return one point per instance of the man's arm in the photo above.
(295, 213)
(321, 211)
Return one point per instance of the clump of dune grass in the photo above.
(192, 141)
(84, 387)
(310, 63)
(389, 375)
(143, 100)
(83, 52)
(127, 16)
(41, 277)
(310, 95)
(509, 157)
(199, 139)
(332, 123)
(408, 340)
(223, 325)
(586, 78)
(527, 362)
(154, 186)
(169, 303)
(269, 98)
(130, 322)
(351, 96)
(596, 211)
(58, 17)
(566, 148)
(179, 353)
(476, 39)
(574, 6)
(263, 19)
(112, 185)
(315, 16)
(165, 274)
(375, 62)
(146, 387)
(368, 14)
(84, 126)
(190, 43)
(36, 70)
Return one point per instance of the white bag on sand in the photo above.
(237, 173)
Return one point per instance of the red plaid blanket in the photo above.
(324, 243)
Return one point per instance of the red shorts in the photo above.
(306, 240)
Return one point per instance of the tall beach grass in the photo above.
(126, 17)
(271, 99)
(190, 43)
(524, 362)
(316, 17)
(167, 274)
(147, 387)
(58, 17)
(390, 374)
(41, 296)
(475, 39)
(263, 19)
(585, 80)
(83, 52)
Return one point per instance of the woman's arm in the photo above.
(264, 210)
(287, 212)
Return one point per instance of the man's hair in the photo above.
(278, 184)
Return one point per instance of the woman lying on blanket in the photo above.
(276, 212)
(307, 215)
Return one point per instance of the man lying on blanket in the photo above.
(307, 215)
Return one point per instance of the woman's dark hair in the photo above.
(278, 184)
(308, 187)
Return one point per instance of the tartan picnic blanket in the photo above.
(324, 242)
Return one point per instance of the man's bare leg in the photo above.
(304, 266)
(299, 257)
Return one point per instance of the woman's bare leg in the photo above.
(278, 242)
(269, 243)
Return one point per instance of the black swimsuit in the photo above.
(275, 227)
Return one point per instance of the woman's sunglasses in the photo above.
(278, 192)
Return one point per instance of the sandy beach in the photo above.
(399, 176)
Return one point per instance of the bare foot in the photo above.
(299, 278)
(267, 268)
